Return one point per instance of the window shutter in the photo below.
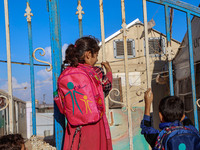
(119, 48)
(156, 46)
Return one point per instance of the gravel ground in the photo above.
(38, 143)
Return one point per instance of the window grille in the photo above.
(119, 48)
(156, 47)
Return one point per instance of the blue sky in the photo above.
(69, 33)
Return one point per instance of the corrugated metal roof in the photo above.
(134, 22)
(118, 32)
(4, 93)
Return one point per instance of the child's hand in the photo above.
(148, 97)
(107, 66)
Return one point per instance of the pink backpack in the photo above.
(80, 96)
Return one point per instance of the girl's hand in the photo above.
(107, 66)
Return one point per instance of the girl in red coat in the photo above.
(93, 136)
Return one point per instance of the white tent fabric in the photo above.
(181, 61)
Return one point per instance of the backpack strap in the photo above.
(78, 129)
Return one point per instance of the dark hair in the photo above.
(171, 108)
(74, 54)
(11, 142)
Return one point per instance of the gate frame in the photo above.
(56, 46)
(56, 49)
(189, 10)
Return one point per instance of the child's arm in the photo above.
(148, 131)
(106, 80)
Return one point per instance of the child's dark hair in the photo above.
(171, 108)
(74, 54)
(11, 142)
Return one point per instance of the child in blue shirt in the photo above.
(171, 113)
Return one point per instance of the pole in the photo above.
(102, 29)
(192, 70)
(103, 46)
(29, 14)
(56, 54)
(9, 67)
(126, 74)
(169, 50)
(146, 44)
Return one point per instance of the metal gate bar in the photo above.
(192, 70)
(167, 24)
(29, 14)
(56, 54)
(10, 98)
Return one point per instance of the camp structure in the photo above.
(181, 64)
(114, 53)
(19, 115)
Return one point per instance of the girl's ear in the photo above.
(87, 54)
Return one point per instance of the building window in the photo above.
(156, 46)
(119, 48)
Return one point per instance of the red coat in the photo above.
(93, 137)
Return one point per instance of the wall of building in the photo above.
(44, 122)
(20, 118)
(137, 65)
(137, 82)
